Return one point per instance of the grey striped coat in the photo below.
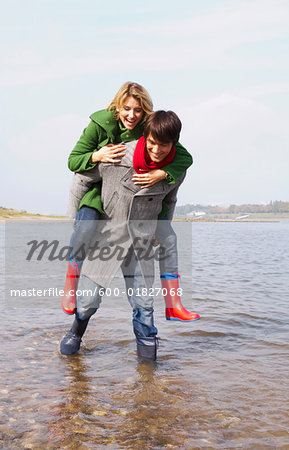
(130, 218)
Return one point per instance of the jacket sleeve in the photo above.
(171, 198)
(79, 158)
(181, 162)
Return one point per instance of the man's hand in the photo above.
(109, 153)
(155, 242)
(150, 178)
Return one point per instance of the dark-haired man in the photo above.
(124, 235)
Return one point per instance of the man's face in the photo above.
(130, 113)
(156, 150)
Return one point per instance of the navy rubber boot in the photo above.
(70, 344)
(147, 348)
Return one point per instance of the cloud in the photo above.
(38, 157)
(207, 39)
(49, 140)
(239, 145)
(260, 90)
(240, 152)
(241, 21)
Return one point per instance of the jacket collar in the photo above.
(106, 120)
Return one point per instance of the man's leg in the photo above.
(84, 229)
(169, 273)
(88, 302)
(142, 305)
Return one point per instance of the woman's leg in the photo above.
(84, 229)
(169, 273)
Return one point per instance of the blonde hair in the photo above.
(135, 90)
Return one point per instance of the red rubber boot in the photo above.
(68, 300)
(174, 307)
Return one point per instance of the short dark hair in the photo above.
(164, 126)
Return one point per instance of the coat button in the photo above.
(150, 199)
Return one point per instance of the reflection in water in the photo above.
(151, 411)
(143, 411)
(192, 397)
(74, 403)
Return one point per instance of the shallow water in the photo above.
(221, 382)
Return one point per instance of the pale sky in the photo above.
(221, 65)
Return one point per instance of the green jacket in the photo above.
(104, 129)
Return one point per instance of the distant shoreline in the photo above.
(40, 218)
(32, 218)
(7, 215)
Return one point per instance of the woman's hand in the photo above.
(150, 178)
(109, 153)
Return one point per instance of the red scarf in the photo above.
(141, 159)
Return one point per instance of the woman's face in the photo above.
(130, 113)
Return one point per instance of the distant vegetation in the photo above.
(272, 207)
(10, 212)
(276, 207)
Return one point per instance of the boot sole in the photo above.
(69, 311)
(181, 320)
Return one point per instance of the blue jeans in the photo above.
(84, 229)
(138, 296)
